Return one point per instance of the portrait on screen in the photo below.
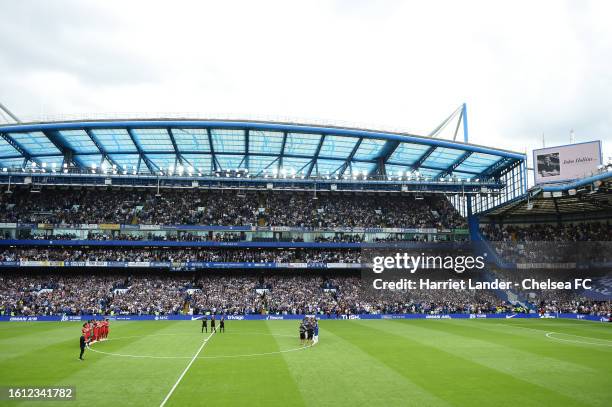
(548, 165)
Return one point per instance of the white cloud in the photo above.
(524, 68)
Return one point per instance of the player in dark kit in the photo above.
(309, 332)
(82, 344)
(213, 327)
(302, 333)
(222, 324)
(204, 325)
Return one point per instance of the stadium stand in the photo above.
(146, 218)
(194, 207)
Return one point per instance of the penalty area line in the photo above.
(163, 403)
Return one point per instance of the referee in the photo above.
(82, 344)
(204, 324)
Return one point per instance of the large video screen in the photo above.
(563, 163)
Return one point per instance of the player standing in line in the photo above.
(213, 327)
(316, 331)
(309, 331)
(91, 330)
(222, 324)
(96, 331)
(205, 324)
(85, 333)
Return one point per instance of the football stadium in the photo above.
(180, 261)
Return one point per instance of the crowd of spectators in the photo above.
(184, 236)
(566, 301)
(227, 208)
(570, 232)
(230, 294)
(181, 255)
(575, 306)
(579, 243)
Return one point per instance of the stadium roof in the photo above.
(206, 146)
(585, 196)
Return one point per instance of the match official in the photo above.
(204, 324)
(222, 325)
(82, 344)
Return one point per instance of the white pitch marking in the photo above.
(183, 334)
(550, 336)
(204, 357)
(186, 369)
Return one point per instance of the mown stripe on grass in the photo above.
(337, 373)
(250, 381)
(15, 329)
(120, 381)
(33, 337)
(516, 356)
(594, 357)
(458, 380)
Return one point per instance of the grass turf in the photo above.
(380, 363)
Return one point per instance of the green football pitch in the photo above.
(355, 363)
